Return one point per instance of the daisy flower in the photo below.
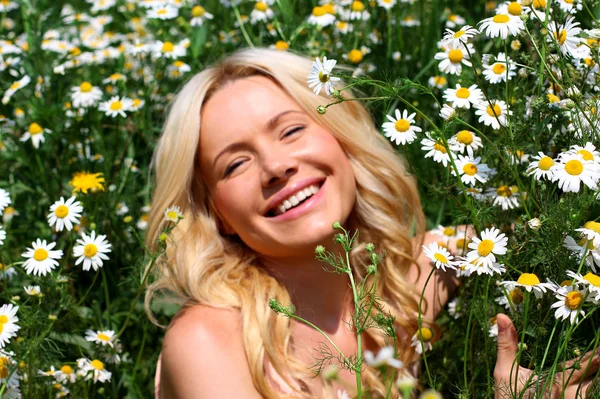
(321, 17)
(2, 235)
(320, 76)
(572, 169)
(494, 114)
(530, 282)
(454, 56)
(103, 338)
(358, 12)
(514, 8)
(49, 373)
(36, 134)
(501, 25)
(568, 304)
(115, 78)
(163, 11)
(454, 308)
(588, 152)
(462, 36)
(91, 251)
(33, 290)
(591, 281)
(591, 231)
(426, 335)
(93, 369)
(493, 331)
(480, 268)
(439, 256)
(505, 197)
(465, 140)
(116, 106)
(85, 95)
(4, 200)
(65, 214)
(447, 112)
(463, 97)
(387, 4)
(501, 70)
(16, 86)
(86, 181)
(437, 81)
(168, 49)
(401, 129)
(448, 232)
(41, 259)
(173, 214)
(472, 170)
(436, 149)
(492, 243)
(66, 374)
(176, 70)
(565, 36)
(570, 6)
(541, 167)
(454, 20)
(513, 299)
(8, 323)
(261, 12)
(199, 15)
(385, 357)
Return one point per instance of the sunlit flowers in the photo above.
(163, 11)
(41, 259)
(572, 169)
(422, 340)
(65, 214)
(116, 106)
(569, 303)
(91, 250)
(401, 129)
(439, 256)
(385, 357)
(85, 95)
(320, 76)
(461, 36)
(484, 249)
(529, 282)
(85, 181)
(454, 57)
(471, 170)
(463, 97)
(502, 25)
(320, 16)
(106, 337)
(493, 113)
(591, 281)
(8, 323)
(35, 132)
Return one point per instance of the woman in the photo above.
(260, 177)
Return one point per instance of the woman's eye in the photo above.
(232, 167)
(294, 130)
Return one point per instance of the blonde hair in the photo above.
(204, 267)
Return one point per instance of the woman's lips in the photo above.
(303, 208)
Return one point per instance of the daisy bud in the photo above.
(524, 17)
(321, 110)
(15, 298)
(407, 383)
(372, 269)
(523, 73)
(594, 33)
(127, 219)
(331, 372)
(534, 224)
(52, 317)
(163, 237)
(447, 112)
(336, 225)
(370, 247)
(339, 238)
(320, 250)
(515, 45)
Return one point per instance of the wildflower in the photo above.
(494, 114)
(168, 50)
(474, 265)
(439, 256)
(502, 25)
(423, 334)
(492, 243)
(463, 97)
(454, 56)
(93, 369)
(454, 20)
(2, 235)
(564, 35)
(447, 112)
(569, 303)
(199, 15)
(461, 36)
(115, 78)
(437, 81)
(514, 8)
(501, 70)
(534, 224)
(103, 338)
(454, 309)
(116, 106)
(320, 75)
(49, 373)
(385, 357)
(446, 232)
(541, 167)
(530, 282)
(163, 11)
(591, 230)
(472, 170)
(513, 299)
(176, 69)
(4, 200)
(387, 4)
(8, 323)
(355, 56)
(588, 152)
(321, 17)
(505, 197)
(572, 169)
(36, 134)
(493, 331)
(465, 140)
(173, 214)
(66, 374)
(91, 250)
(341, 394)
(65, 214)
(33, 290)
(85, 95)
(436, 149)
(7, 273)
(358, 11)
(84, 181)
(591, 281)
(401, 129)
(16, 86)
(41, 259)
(261, 12)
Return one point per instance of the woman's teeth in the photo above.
(297, 198)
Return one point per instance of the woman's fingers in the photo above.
(507, 346)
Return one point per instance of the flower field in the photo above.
(495, 106)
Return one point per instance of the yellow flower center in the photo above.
(455, 56)
(167, 47)
(495, 111)
(552, 98)
(449, 231)
(355, 56)
(504, 191)
(485, 247)
(357, 6)
(162, 11)
(34, 128)
(172, 215)
(470, 169)
(426, 334)
(462, 243)
(323, 77)
(515, 8)
(528, 279)
(402, 125)
(103, 337)
(499, 68)
(260, 6)
(319, 11)
(574, 167)
(463, 93)
(329, 8)
(501, 18)
(591, 225)
(281, 45)
(589, 62)
(441, 258)
(539, 4)
(97, 364)
(116, 105)
(516, 296)
(85, 87)
(573, 300)
(459, 34)
(66, 369)
(438, 146)
(84, 181)
(545, 163)
(61, 211)
(198, 11)
(15, 86)
(440, 80)
(40, 254)
(592, 279)
(3, 372)
(3, 319)
(561, 36)
(90, 250)
(464, 137)
(586, 155)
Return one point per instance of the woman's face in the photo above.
(277, 178)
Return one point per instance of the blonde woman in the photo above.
(260, 177)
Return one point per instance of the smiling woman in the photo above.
(260, 177)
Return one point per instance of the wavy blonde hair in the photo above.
(205, 267)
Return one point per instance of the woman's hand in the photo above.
(507, 369)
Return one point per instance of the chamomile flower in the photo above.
(8, 323)
(569, 303)
(358, 11)
(471, 170)
(455, 20)
(115, 78)
(320, 76)
(439, 256)
(106, 337)
(93, 369)
(437, 81)
(199, 15)
(465, 140)
(176, 70)
(572, 169)
(401, 129)
(91, 251)
(33, 290)
(541, 167)
(514, 8)
(493, 331)
(116, 106)
(436, 149)
(261, 12)
(566, 37)
(66, 374)
(65, 214)
(591, 231)
(387, 4)
(529, 282)
(463, 97)
(484, 250)
(513, 298)
(173, 214)
(35, 132)
(320, 16)
(501, 70)
(474, 266)
(501, 25)
(41, 259)
(570, 6)
(85, 95)
(505, 197)
(168, 49)
(2, 235)
(163, 11)
(493, 113)
(591, 281)
(16, 86)
(454, 57)
(588, 152)
(423, 334)
(454, 308)
(461, 36)
(4, 200)
(447, 112)
(385, 357)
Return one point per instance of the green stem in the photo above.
(242, 27)
(358, 332)
(419, 323)
(466, 382)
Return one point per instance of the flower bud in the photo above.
(336, 225)
(534, 224)
(339, 238)
(372, 269)
(320, 250)
(163, 237)
(370, 247)
(330, 373)
(321, 110)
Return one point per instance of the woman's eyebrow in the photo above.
(268, 126)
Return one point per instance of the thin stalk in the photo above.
(358, 333)
(419, 323)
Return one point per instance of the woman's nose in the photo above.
(278, 168)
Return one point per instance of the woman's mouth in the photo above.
(296, 200)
